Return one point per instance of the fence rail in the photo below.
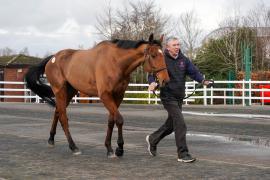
(225, 92)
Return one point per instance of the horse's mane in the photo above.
(128, 44)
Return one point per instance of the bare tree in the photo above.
(237, 31)
(229, 28)
(136, 21)
(7, 51)
(24, 51)
(80, 46)
(105, 22)
(189, 31)
(237, 34)
(259, 19)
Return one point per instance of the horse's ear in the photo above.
(161, 38)
(151, 38)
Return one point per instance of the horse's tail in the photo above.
(34, 82)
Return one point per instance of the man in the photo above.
(171, 96)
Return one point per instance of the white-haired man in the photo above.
(171, 95)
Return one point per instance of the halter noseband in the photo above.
(153, 70)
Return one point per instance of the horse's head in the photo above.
(155, 61)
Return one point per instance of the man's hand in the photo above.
(208, 83)
(152, 86)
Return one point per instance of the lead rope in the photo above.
(211, 84)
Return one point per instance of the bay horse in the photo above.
(102, 71)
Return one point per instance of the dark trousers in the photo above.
(174, 123)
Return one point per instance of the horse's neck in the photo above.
(132, 60)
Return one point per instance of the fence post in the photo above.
(156, 100)
(233, 96)
(212, 93)
(249, 85)
(25, 92)
(149, 96)
(75, 99)
(224, 94)
(262, 96)
(243, 92)
(37, 99)
(204, 95)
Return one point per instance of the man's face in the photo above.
(173, 47)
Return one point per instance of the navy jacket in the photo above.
(178, 69)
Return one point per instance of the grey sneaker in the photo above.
(151, 149)
(186, 159)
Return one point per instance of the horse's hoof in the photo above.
(76, 152)
(50, 143)
(119, 152)
(111, 155)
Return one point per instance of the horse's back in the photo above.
(85, 70)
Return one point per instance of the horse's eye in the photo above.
(153, 55)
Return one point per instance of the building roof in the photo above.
(18, 60)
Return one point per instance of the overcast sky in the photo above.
(51, 25)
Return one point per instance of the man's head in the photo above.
(173, 45)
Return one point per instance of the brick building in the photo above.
(13, 68)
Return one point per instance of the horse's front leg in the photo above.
(120, 141)
(118, 97)
(108, 139)
(114, 117)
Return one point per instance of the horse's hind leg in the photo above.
(61, 103)
(53, 128)
(70, 94)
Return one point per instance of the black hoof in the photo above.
(119, 152)
(110, 155)
(51, 143)
(76, 151)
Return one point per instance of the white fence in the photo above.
(243, 92)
